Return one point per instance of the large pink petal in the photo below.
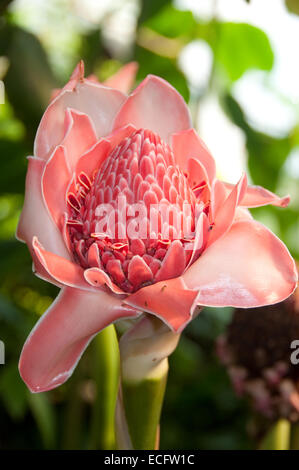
(201, 236)
(242, 214)
(187, 144)
(62, 270)
(196, 173)
(157, 106)
(218, 195)
(35, 219)
(98, 102)
(169, 300)
(247, 267)
(257, 196)
(225, 214)
(55, 180)
(80, 135)
(57, 342)
(124, 78)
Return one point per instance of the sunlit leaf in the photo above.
(172, 23)
(151, 8)
(266, 154)
(240, 47)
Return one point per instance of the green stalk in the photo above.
(72, 435)
(144, 351)
(44, 415)
(106, 375)
(147, 396)
(278, 438)
(294, 436)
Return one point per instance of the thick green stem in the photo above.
(144, 366)
(278, 438)
(106, 375)
(147, 396)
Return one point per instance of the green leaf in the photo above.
(266, 154)
(151, 8)
(172, 23)
(240, 47)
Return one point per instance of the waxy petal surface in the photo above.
(169, 300)
(62, 270)
(247, 267)
(98, 102)
(35, 219)
(188, 144)
(257, 196)
(157, 106)
(58, 340)
(55, 180)
(123, 80)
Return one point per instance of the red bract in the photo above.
(95, 147)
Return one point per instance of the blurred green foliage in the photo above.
(201, 410)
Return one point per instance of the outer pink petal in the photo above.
(242, 214)
(225, 214)
(98, 102)
(218, 195)
(55, 179)
(257, 196)
(196, 172)
(201, 236)
(187, 144)
(169, 300)
(80, 135)
(157, 106)
(248, 267)
(124, 78)
(35, 219)
(62, 270)
(57, 342)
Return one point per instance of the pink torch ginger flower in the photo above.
(98, 153)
